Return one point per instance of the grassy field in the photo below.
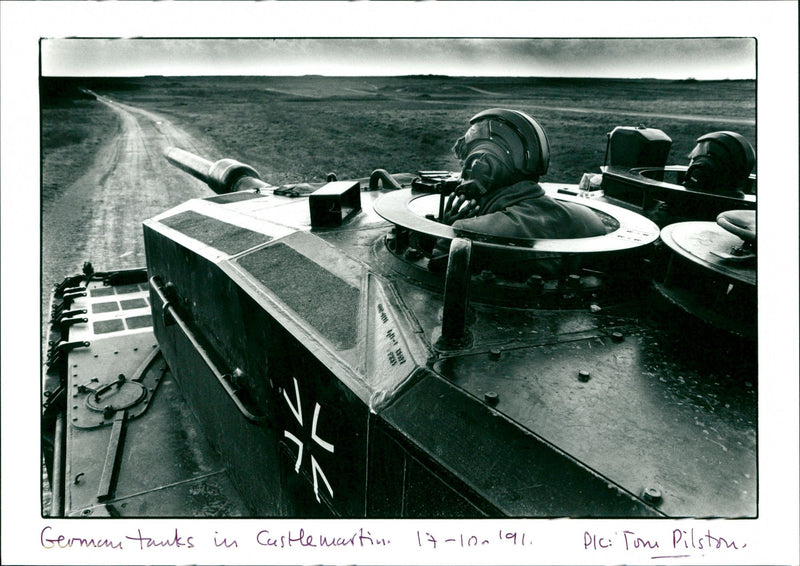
(72, 130)
(301, 128)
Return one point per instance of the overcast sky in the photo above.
(733, 58)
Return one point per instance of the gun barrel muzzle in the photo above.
(222, 176)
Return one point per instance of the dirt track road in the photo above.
(98, 218)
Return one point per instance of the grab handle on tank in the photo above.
(381, 175)
(455, 334)
(221, 377)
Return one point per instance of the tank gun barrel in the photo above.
(223, 176)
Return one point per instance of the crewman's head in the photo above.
(502, 147)
(721, 163)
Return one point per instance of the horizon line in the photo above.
(413, 75)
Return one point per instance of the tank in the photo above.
(287, 352)
(719, 177)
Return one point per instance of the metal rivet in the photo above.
(491, 398)
(74, 419)
(136, 349)
(617, 336)
(652, 495)
(74, 406)
(583, 375)
(494, 353)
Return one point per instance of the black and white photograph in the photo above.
(413, 298)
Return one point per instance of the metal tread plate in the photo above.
(161, 436)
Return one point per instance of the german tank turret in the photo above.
(333, 374)
(720, 175)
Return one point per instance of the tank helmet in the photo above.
(720, 162)
(503, 146)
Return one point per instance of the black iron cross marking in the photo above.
(297, 411)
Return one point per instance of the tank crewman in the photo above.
(503, 154)
(721, 163)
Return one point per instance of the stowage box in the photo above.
(332, 204)
(637, 147)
